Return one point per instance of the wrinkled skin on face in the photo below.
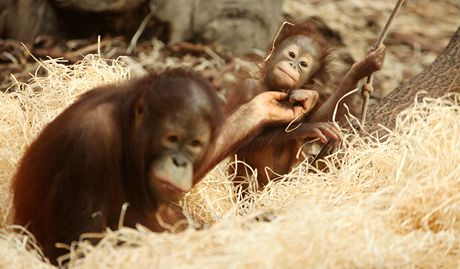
(291, 65)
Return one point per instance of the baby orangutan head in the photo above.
(299, 56)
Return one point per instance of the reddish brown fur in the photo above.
(86, 163)
(240, 94)
(274, 148)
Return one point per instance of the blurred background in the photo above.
(223, 39)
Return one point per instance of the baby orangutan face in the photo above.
(292, 63)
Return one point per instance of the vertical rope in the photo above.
(367, 88)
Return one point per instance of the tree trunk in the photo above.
(441, 77)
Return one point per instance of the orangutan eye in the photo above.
(173, 138)
(303, 64)
(292, 54)
(195, 143)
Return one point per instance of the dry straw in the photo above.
(27, 107)
(392, 203)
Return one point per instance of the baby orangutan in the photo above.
(297, 65)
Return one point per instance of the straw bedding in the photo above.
(390, 203)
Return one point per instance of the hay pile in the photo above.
(391, 204)
(27, 107)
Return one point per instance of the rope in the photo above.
(367, 88)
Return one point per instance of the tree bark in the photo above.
(438, 79)
(441, 77)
